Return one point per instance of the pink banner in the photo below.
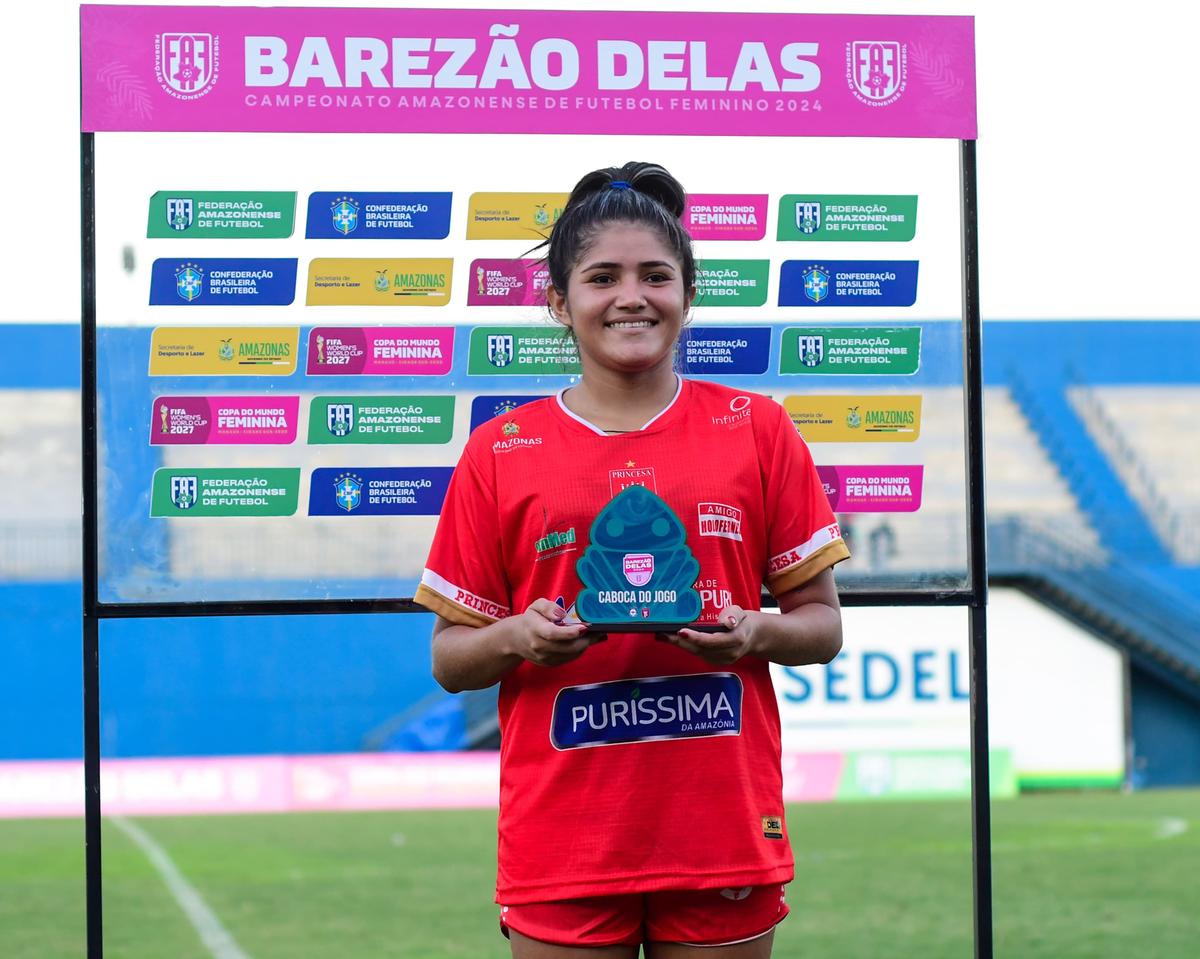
(380, 350)
(195, 420)
(726, 216)
(275, 784)
(873, 489)
(519, 71)
(508, 283)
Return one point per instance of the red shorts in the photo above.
(705, 917)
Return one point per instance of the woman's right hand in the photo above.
(539, 635)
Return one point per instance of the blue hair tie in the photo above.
(619, 185)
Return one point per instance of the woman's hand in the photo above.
(539, 635)
(807, 629)
(720, 649)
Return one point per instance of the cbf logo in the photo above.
(812, 350)
(500, 349)
(187, 63)
(183, 491)
(816, 283)
(179, 212)
(345, 215)
(878, 70)
(339, 418)
(808, 217)
(189, 281)
(347, 491)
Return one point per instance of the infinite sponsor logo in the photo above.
(717, 519)
(642, 710)
(739, 413)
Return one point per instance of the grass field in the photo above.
(1076, 875)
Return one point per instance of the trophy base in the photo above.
(645, 627)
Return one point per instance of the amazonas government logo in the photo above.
(187, 64)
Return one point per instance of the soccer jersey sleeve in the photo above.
(464, 579)
(803, 536)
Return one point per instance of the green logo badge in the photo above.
(858, 218)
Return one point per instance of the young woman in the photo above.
(640, 796)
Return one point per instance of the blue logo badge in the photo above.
(183, 491)
(816, 284)
(348, 491)
(179, 212)
(189, 281)
(345, 215)
(339, 418)
(641, 710)
(726, 349)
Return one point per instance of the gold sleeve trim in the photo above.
(795, 576)
(449, 610)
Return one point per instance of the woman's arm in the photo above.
(475, 657)
(808, 629)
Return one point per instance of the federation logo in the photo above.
(504, 406)
(345, 215)
(816, 283)
(638, 569)
(189, 281)
(877, 70)
(179, 212)
(808, 217)
(187, 64)
(811, 350)
(183, 491)
(347, 491)
(339, 418)
(510, 428)
(500, 349)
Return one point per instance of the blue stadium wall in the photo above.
(327, 683)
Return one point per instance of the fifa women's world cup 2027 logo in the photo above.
(187, 64)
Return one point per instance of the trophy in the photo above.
(637, 572)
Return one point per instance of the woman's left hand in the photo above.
(720, 649)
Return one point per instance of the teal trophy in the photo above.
(637, 572)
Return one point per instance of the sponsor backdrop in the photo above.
(283, 419)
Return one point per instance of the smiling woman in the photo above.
(603, 743)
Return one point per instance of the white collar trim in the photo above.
(599, 432)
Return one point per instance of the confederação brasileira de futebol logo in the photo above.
(877, 70)
(187, 64)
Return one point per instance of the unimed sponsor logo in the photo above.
(641, 710)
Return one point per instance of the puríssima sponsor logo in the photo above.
(651, 708)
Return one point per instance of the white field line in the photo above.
(215, 936)
(1169, 827)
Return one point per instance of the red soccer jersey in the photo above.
(638, 766)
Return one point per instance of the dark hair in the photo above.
(642, 193)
